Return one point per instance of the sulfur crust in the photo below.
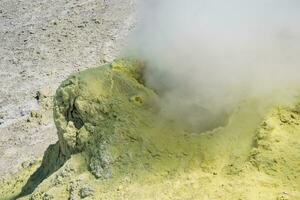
(113, 141)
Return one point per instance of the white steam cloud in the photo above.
(205, 56)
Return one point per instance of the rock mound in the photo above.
(114, 145)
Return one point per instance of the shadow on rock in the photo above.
(53, 159)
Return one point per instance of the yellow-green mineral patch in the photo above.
(113, 144)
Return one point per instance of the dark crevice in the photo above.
(74, 116)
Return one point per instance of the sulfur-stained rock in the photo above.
(92, 109)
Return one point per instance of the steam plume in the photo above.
(206, 56)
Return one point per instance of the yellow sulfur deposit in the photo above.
(113, 144)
